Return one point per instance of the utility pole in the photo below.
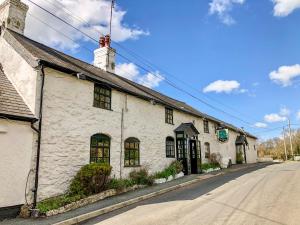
(285, 153)
(291, 144)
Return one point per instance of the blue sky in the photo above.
(240, 56)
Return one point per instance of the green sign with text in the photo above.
(223, 135)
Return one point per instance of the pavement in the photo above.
(266, 196)
(154, 191)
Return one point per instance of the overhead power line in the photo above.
(145, 69)
(145, 61)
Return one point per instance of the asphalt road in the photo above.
(261, 195)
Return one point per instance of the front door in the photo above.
(193, 156)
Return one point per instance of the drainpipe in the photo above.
(124, 109)
(39, 132)
(121, 143)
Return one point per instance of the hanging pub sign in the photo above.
(223, 135)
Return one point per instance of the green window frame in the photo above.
(170, 147)
(169, 116)
(207, 150)
(206, 126)
(132, 152)
(102, 97)
(100, 149)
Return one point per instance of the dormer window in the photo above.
(102, 97)
(169, 116)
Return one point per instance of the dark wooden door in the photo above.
(193, 156)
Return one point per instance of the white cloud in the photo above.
(226, 86)
(284, 111)
(151, 80)
(274, 117)
(285, 7)
(282, 116)
(131, 72)
(260, 125)
(91, 16)
(127, 70)
(222, 8)
(298, 115)
(285, 75)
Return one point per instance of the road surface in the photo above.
(269, 195)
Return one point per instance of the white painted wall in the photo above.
(16, 154)
(69, 120)
(251, 151)
(20, 73)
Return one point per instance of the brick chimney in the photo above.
(104, 56)
(13, 15)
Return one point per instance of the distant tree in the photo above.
(274, 147)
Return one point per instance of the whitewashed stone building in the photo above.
(58, 113)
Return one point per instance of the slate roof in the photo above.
(11, 103)
(36, 53)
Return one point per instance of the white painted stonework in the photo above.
(70, 120)
(16, 155)
(13, 14)
(104, 58)
(23, 76)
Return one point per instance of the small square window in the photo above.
(102, 97)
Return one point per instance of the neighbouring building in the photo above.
(58, 113)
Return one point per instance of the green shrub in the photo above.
(119, 184)
(177, 165)
(173, 169)
(56, 202)
(90, 179)
(206, 166)
(239, 157)
(141, 177)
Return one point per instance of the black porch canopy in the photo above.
(187, 128)
(241, 140)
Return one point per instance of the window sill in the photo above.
(102, 108)
(170, 157)
(170, 123)
(132, 166)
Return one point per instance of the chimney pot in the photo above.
(102, 42)
(104, 56)
(107, 41)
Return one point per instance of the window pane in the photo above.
(106, 152)
(102, 97)
(169, 115)
(131, 157)
(100, 148)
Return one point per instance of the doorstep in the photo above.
(122, 200)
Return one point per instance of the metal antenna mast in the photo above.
(111, 12)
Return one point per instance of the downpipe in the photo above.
(34, 211)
